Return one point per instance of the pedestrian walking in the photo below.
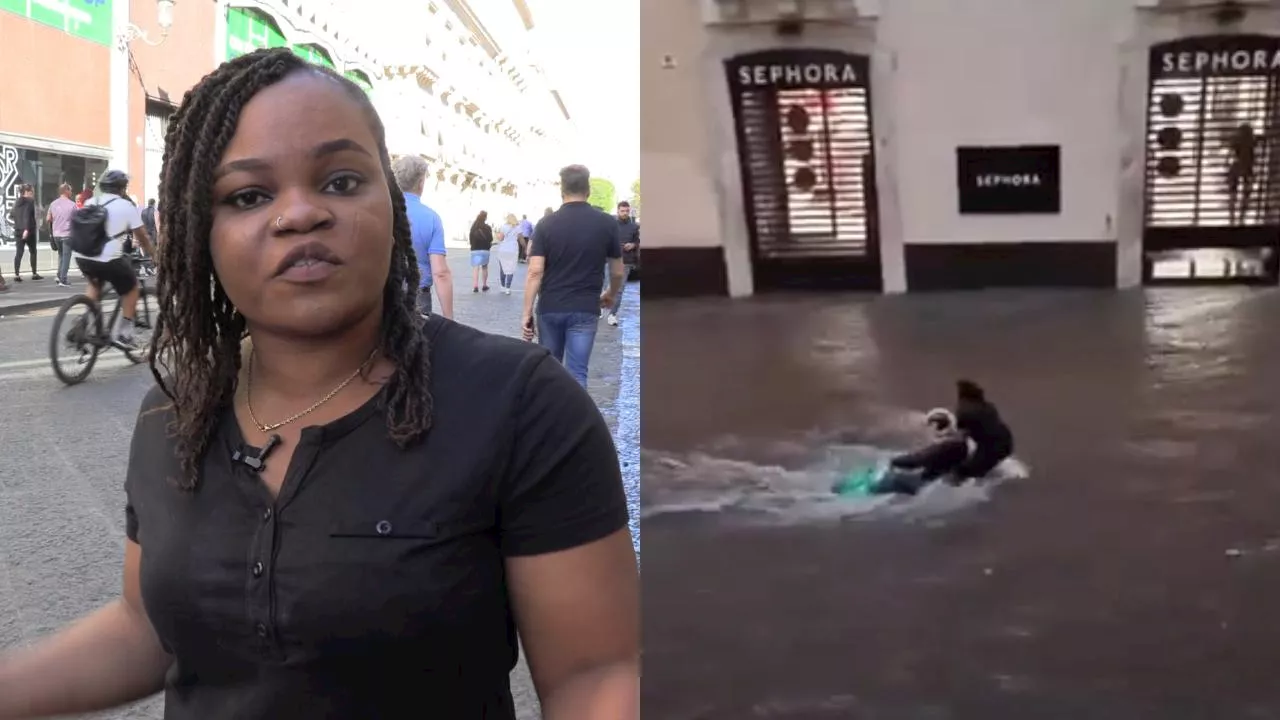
(508, 252)
(569, 247)
(59, 218)
(84, 195)
(481, 237)
(427, 229)
(526, 232)
(149, 219)
(26, 231)
(629, 237)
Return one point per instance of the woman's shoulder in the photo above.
(156, 401)
(155, 414)
(459, 351)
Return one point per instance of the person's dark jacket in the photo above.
(629, 232)
(481, 237)
(24, 216)
(983, 424)
(149, 219)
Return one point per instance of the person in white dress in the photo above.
(508, 252)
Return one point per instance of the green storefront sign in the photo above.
(86, 19)
(313, 54)
(249, 30)
(360, 79)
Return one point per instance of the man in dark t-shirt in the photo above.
(569, 247)
(149, 218)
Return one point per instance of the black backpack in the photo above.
(89, 229)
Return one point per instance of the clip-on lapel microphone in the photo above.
(257, 462)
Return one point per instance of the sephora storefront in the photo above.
(894, 146)
(1212, 211)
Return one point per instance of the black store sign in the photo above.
(1023, 179)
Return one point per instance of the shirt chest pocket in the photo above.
(395, 537)
(393, 543)
(379, 572)
(389, 528)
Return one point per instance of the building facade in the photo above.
(123, 66)
(53, 124)
(918, 145)
(468, 95)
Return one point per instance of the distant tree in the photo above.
(635, 196)
(602, 194)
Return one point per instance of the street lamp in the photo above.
(164, 18)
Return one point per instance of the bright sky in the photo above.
(591, 51)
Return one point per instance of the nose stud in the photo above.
(279, 221)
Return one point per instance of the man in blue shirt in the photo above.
(526, 234)
(428, 235)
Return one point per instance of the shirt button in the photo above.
(266, 515)
(257, 569)
(383, 527)
(261, 629)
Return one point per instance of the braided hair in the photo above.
(196, 354)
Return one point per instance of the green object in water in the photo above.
(858, 482)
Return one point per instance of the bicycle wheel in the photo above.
(142, 318)
(75, 339)
(142, 327)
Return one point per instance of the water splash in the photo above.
(789, 481)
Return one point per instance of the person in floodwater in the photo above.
(976, 420)
(912, 471)
(980, 421)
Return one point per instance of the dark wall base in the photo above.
(971, 266)
(821, 275)
(683, 272)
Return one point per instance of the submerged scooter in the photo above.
(907, 474)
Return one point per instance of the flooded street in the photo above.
(1133, 574)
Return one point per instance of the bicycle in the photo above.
(87, 336)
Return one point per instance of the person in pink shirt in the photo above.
(59, 216)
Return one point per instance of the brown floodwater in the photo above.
(1134, 573)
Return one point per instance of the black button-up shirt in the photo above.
(374, 585)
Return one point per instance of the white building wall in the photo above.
(425, 96)
(681, 197)
(1004, 72)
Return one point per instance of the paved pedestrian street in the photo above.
(66, 449)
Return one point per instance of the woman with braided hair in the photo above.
(335, 508)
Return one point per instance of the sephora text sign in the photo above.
(1009, 180)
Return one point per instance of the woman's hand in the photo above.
(104, 660)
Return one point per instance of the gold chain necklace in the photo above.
(248, 395)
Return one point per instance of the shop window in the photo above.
(1226, 264)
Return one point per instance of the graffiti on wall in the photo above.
(8, 183)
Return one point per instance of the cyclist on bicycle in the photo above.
(112, 266)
